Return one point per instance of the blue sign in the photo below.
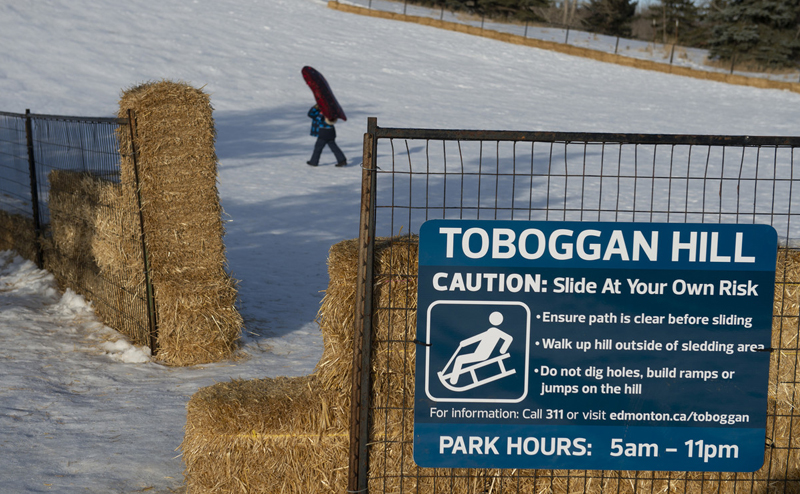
(572, 345)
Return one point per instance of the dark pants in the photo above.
(327, 137)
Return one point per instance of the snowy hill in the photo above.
(77, 413)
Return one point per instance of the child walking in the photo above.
(325, 132)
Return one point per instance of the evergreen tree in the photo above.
(612, 17)
(675, 16)
(525, 10)
(498, 9)
(766, 32)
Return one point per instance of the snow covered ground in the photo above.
(83, 411)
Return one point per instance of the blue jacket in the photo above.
(317, 121)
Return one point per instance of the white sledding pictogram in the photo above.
(460, 364)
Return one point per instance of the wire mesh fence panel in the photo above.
(15, 191)
(589, 181)
(87, 147)
(419, 175)
(74, 213)
(91, 227)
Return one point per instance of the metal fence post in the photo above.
(37, 225)
(362, 339)
(151, 304)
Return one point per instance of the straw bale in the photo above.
(177, 172)
(395, 268)
(285, 435)
(17, 234)
(117, 244)
(73, 202)
(336, 318)
(198, 324)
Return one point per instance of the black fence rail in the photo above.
(414, 175)
(61, 194)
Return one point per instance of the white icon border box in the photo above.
(428, 351)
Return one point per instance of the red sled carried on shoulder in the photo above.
(322, 93)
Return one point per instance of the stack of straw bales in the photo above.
(96, 242)
(280, 435)
(177, 170)
(288, 435)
